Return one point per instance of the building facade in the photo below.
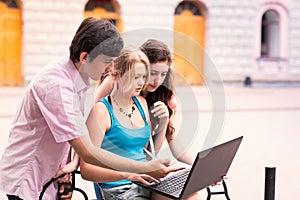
(256, 38)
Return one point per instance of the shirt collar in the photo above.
(81, 83)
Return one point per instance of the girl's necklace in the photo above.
(122, 110)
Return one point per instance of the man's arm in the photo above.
(100, 157)
(99, 174)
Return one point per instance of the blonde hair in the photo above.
(124, 66)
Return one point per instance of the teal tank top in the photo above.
(125, 142)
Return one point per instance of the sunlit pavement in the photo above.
(268, 118)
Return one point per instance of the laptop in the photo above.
(208, 168)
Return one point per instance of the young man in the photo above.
(51, 118)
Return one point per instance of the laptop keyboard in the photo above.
(172, 183)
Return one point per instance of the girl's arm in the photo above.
(104, 88)
(88, 148)
(179, 143)
(99, 174)
(91, 172)
(160, 111)
(178, 147)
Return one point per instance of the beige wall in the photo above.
(48, 27)
(230, 39)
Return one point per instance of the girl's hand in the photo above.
(220, 182)
(160, 110)
(141, 178)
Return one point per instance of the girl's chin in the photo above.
(151, 89)
(137, 93)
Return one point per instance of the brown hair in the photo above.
(157, 51)
(96, 36)
(124, 65)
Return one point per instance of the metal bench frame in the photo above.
(67, 190)
(225, 191)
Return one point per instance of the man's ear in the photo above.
(83, 57)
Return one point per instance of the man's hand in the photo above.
(65, 182)
(68, 168)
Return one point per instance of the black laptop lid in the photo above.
(210, 166)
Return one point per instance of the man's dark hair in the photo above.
(96, 36)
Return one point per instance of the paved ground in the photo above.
(267, 117)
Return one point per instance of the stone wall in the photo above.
(231, 38)
(48, 28)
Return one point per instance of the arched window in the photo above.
(10, 43)
(105, 4)
(187, 7)
(270, 34)
(189, 40)
(10, 3)
(107, 9)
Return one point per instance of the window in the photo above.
(269, 34)
(105, 4)
(107, 10)
(10, 3)
(187, 6)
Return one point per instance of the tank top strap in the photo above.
(109, 108)
(140, 108)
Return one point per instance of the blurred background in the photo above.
(254, 45)
(255, 38)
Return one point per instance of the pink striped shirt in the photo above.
(51, 114)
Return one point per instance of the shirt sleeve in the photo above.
(61, 108)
